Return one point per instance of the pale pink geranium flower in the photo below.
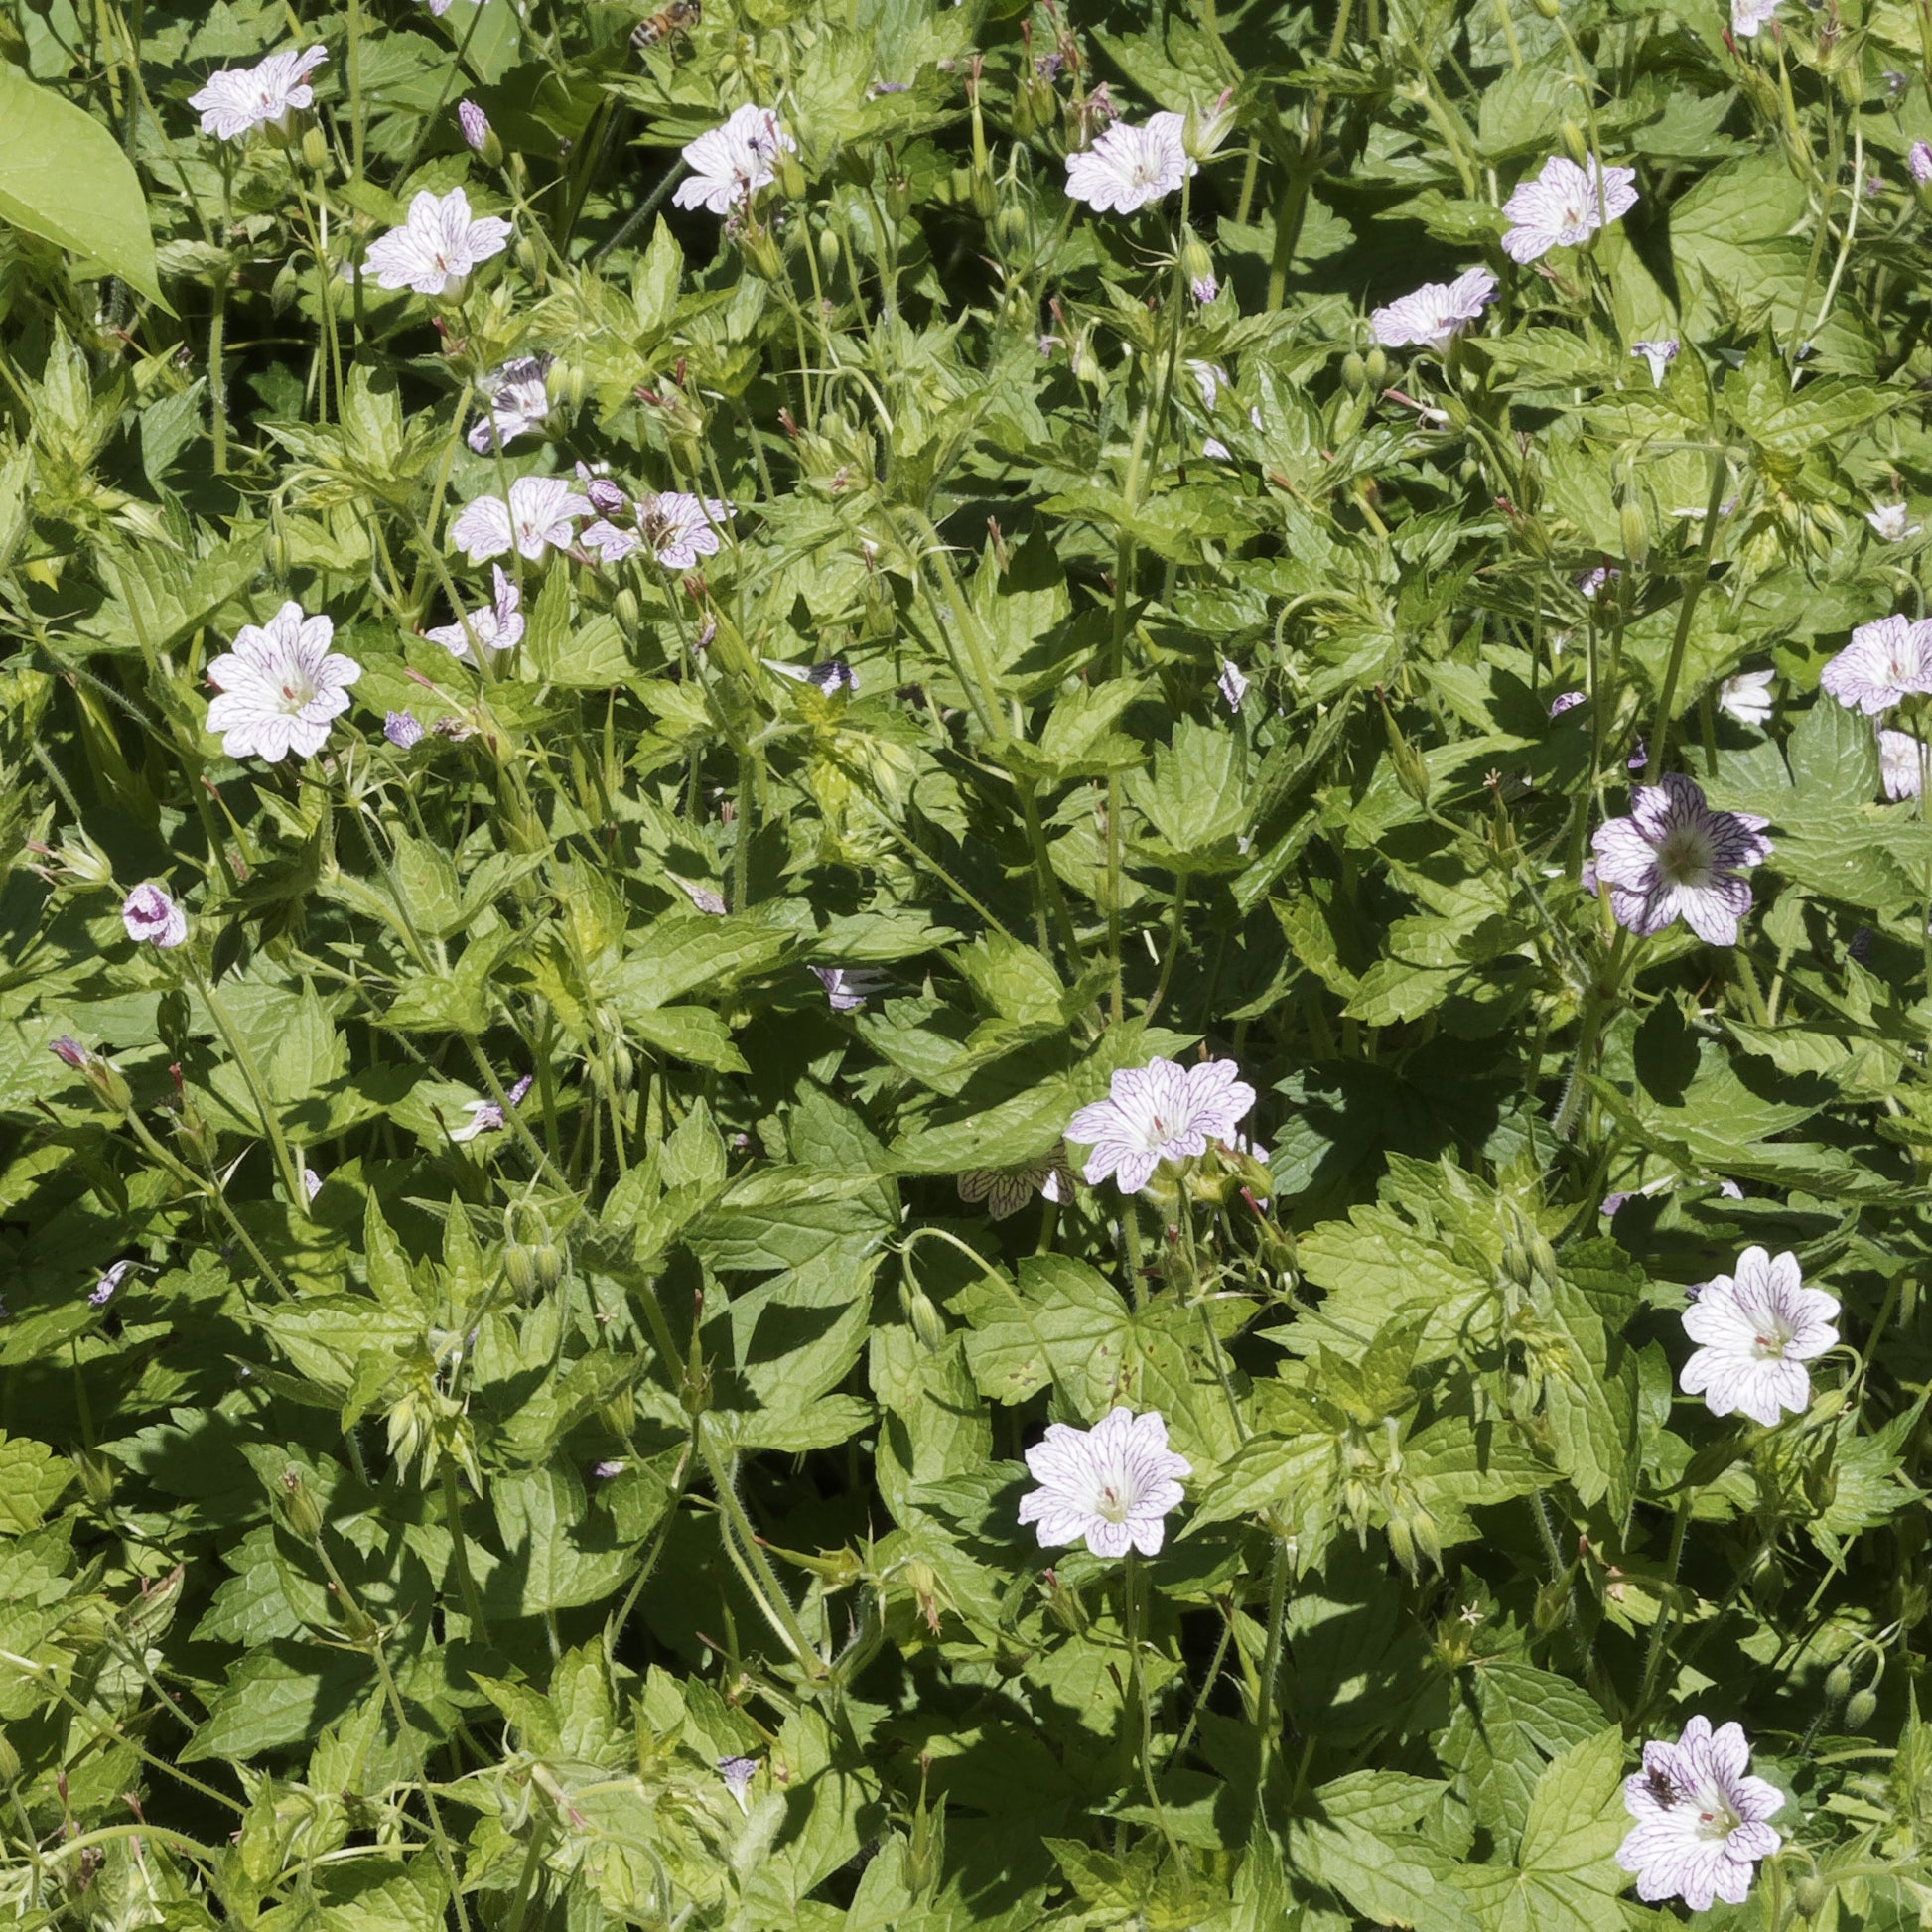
(540, 515)
(1901, 763)
(499, 625)
(1159, 1112)
(1129, 166)
(279, 686)
(1746, 696)
(1006, 1191)
(153, 917)
(1435, 314)
(1699, 1829)
(434, 250)
(1564, 205)
(518, 395)
(731, 163)
(237, 100)
(1750, 17)
(1110, 1487)
(1755, 1333)
(1676, 857)
(1893, 522)
(1883, 663)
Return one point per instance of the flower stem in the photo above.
(1659, 732)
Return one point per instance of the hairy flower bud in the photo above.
(1859, 1709)
(299, 1506)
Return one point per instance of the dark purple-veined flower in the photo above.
(738, 1774)
(279, 686)
(1006, 1191)
(518, 395)
(848, 988)
(238, 100)
(731, 163)
(486, 1116)
(1435, 314)
(153, 917)
(1676, 857)
(1129, 166)
(1901, 763)
(474, 124)
(437, 246)
(1564, 205)
(1565, 701)
(401, 728)
(1918, 162)
(102, 1291)
(1699, 1829)
(497, 625)
(1659, 354)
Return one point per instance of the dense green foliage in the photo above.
(451, 1482)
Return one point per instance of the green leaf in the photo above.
(1566, 1878)
(32, 1480)
(63, 176)
(1360, 1841)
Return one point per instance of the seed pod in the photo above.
(315, 150)
(828, 252)
(1012, 228)
(791, 178)
(1811, 1894)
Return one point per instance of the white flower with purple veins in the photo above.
(1129, 166)
(541, 515)
(1006, 1191)
(1233, 686)
(1750, 17)
(1893, 522)
(1593, 583)
(102, 1291)
(474, 124)
(1565, 701)
(279, 686)
(1883, 663)
(1660, 354)
(519, 401)
(499, 625)
(486, 1116)
(1159, 1112)
(848, 988)
(1756, 1331)
(731, 163)
(1918, 162)
(1564, 205)
(1110, 1487)
(1435, 313)
(433, 252)
(1699, 1829)
(237, 100)
(151, 916)
(738, 1774)
(1746, 696)
(401, 728)
(1674, 858)
(676, 527)
(1901, 763)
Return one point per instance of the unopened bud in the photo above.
(1636, 531)
(9, 1764)
(1197, 268)
(1811, 1894)
(1086, 364)
(477, 132)
(791, 178)
(96, 1477)
(299, 1506)
(925, 1318)
(1012, 228)
(1377, 367)
(1410, 771)
(315, 150)
(1572, 140)
(519, 1270)
(898, 198)
(100, 1074)
(1859, 1707)
(828, 252)
(1837, 1681)
(548, 1264)
(761, 253)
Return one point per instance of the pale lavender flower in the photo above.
(1215, 450)
(519, 401)
(539, 515)
(676, 527)
(1210, 379)
(1755, 1333)
(1231, 684)
(1006, 1191)
(1893, 522)
(238, 100)
(71, 1053)
(1640, 755)
(1110, 1487)
(438, 245)
(474, 124)
(497, 624)
(150, 914)
(486, 1116)
(848, 988)
(1883, 663)
(1564, 205)
(102, 1291)
(401, 728)
(1159, 1112)
(1593, 583)
(738, 1774)
(1435, 314)
(310, 1183)
(1699, 1829)
(1676, 857)
(1565, 701)
(1750, 17)
(1203, 288)
(608, 1472)
(279, 686)
(440, 7)
(1901, 764)
(1129, 166)
(1660, 354)
(1746, 697)
(733, 161)
(1918, 162)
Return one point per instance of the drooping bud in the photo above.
(1859, 1709)
(477, 133)
(1354, 373)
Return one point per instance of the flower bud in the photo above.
(100, 1074)
(1197, 268)
(477, 132)
(925, 1318)
(1837, 1680)
(898, 198)
(829, 252)
(1859, 1709)
(1012, 228)
(315, 150)
(1574, 145)
(1411, 772)
(9, 1764)
(1354, 373)
(519, 1270)
(761, 253)
(1377, 367)
(791, 176)
(299, 1506)
(1086, 364)
(548, 1264)
(1636, 531)
(1811, 1894)
(96, 1477)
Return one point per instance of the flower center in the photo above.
(1769, 1347)
(1111, 1506)
(1716, 1822)
(297, 694)
(1683, 857)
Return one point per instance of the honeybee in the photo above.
(678, 18)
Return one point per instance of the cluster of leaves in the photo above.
(405, 1538)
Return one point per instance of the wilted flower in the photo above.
(731, 163)
(239, 99)
(519, 401)
(102, 1291)
(846, 988)
(1564, 205)
(486, 1116)
(1699, 1829)
(1893, 522)
(1129, 166)
(1231, 684)
(1755, 1333)
(151, 916)
(433, 252)
(1159, 1112)
(279, 686)
(1006, 1191)
(1918, 162)
(1660, 354)
(1883, 663)
(499, 625)
(1676, 857)
(474, 124)
(1746, 696)
(1901, 763)
(738, 1774)
(1435, 314)
(401, 729)
(1565, 701)
(1748, 16)
(1110, 1485)
(540, 514)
